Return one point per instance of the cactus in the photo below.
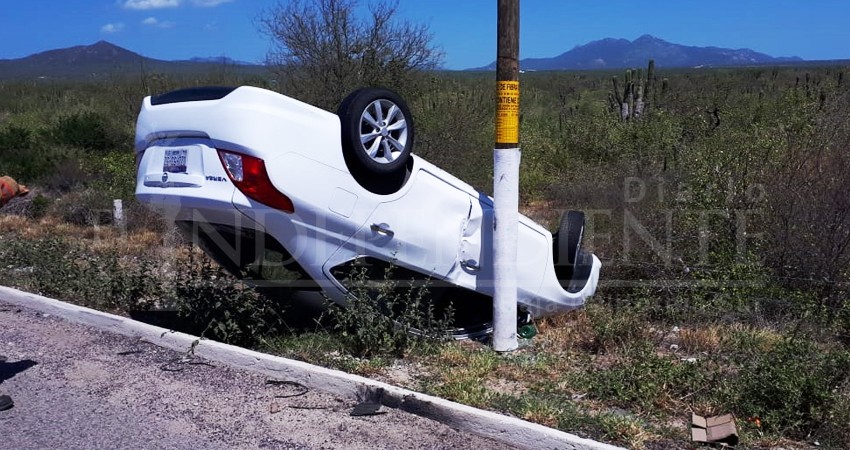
(650, 80)
(621, 101)
(634, 100)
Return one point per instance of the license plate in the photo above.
(175, 161)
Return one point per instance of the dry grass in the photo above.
(571, 331)
(632, 432)
(703, 339)
(544, 415)
(761, 339)
(97, 238)
(13, 223)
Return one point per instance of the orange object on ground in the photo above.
(10, 189)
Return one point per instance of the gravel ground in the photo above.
(76, 387)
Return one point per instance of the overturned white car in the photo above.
(265, 181)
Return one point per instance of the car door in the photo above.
(420, 230)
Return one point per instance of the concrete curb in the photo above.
(502, 428)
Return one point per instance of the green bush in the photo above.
(25, 157)
(39, 206)
(57, 267)
(86, 130)
(387, 317)
(84, 207)
(453, 129)
(794, 388)
(221, 307)
(643, 378)
(15, 137)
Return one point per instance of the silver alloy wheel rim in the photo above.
(383, 131)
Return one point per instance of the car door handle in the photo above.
(471, 265)
(382, 229)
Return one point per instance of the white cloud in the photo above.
(209, 3)
(150, 4)
(143, 5)
(111, 28)
(152, 21)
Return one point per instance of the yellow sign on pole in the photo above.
(507, 112)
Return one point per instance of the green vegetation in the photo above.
(387, 316)
(720, 213)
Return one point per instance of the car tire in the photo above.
(568, 245)
(580, 272)
(377, 132)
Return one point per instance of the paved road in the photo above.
(76, 387)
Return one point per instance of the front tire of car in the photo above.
(377, 138)
(567, 248)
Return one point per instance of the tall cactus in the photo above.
(645, 88)
(634, 100)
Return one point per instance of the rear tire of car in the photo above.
(377, 132)
(567, 246)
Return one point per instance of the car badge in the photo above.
(164, 177)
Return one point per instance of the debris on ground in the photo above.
(714, 430)
(367, 409)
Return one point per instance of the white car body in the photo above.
(435, 224)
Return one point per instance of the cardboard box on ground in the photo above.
(714, 430)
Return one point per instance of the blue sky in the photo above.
(464, 29)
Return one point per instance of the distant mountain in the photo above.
(101, 59)
(220, 60)
(99, 52)
(622, 53)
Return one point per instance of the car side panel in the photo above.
(329, 209)
(420, 230)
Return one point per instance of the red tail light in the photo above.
(250, 177)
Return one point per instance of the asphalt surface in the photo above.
(76, 387)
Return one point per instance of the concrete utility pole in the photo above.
(506, 156)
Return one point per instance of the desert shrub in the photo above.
(809, 201)
(57, 267)
(139, 218)
(16, 137)
(452, 130)
(71, 173)
(322, 49)
(833, 430)
(84, 207)
(34, 205)
(387, 316)
(86, 130)
(220, 307)
(113, 174)
(641, 377)
(794, 388)
(584, 137)
(38, 206)
(61, 159)
(25, 157)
